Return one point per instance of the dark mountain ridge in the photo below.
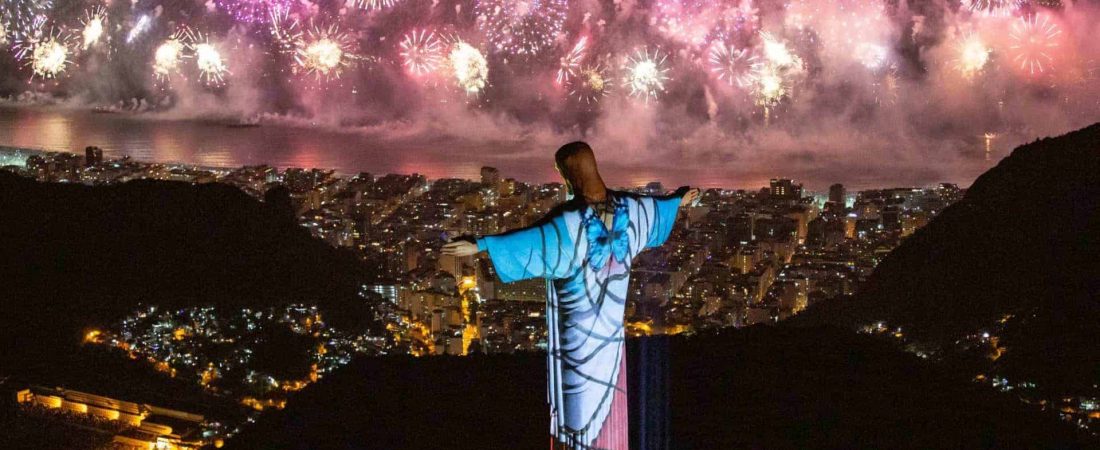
(1018, 257)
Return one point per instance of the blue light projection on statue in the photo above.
(587, 267)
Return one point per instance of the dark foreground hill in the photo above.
(754, 388)
(73, 256)
(1018, 257)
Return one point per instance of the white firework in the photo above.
(469, 67)
(142, 25)
(211, 64)
(770, 86)
(646, 73)
(571, 61)
(736, 66)
(169, 55)
(49, 55)
(777, 53)
(422, 52)
(995, 7)
(93, 26)
(325, 51)
(373, 4)
(973, 55)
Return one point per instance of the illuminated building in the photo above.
(911, 221)
(136, 426)
(785, 189)
(745, 259)
(533, 290)
(387, 291)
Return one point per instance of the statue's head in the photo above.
(576, 162)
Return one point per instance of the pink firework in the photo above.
(700, 22)
(521, 28)
(422, 52)
(688, 21)
(1034, 41)
(252, 11)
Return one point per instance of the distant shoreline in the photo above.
(230, 144)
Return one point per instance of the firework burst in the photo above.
(23, 45)
(571, 61)
(93, 26)
(142, 25)
(1034, 39)
(772, 77)
(48, 56)
(19, 17)
(521, 27)
(469, 66)
(846, 26)
(732, 65)
(776, 52)
(422, 52)
(995, 7)
(590, 84)
(972, 56)
(736, 22)
(646, 73)
(770, 87)
(325, 51)
(169, 55)
(285, 29)
(209, 60)
(373, 4)
(251, 11)
(689, 21)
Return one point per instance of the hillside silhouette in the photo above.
(75, 256)
(761, 387)
(1018, 257)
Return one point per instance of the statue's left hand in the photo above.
(459, 247)
(690, 197)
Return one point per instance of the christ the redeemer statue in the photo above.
(584, 249)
